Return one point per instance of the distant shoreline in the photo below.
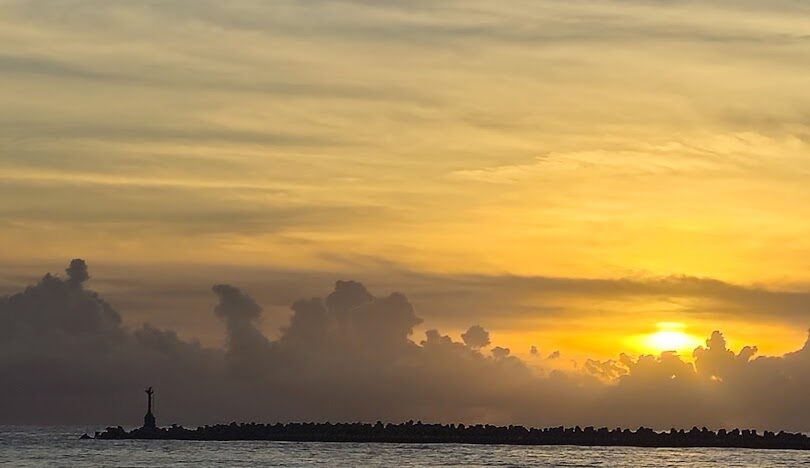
(418, 433)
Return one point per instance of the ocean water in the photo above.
(60, 446)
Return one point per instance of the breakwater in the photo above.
(417, 432)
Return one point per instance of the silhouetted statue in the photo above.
(149, 418)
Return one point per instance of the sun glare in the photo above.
(670, 337)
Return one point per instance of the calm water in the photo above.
(27, 446)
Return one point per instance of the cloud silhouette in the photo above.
(499, 352)
(476, 337)
(67, 358)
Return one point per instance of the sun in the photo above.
(670, 337)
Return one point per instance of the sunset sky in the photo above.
(586, 177)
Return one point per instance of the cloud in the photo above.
(476, 337)
(205, 80)
(499, 352)
(235, 306)
(607, 370)
(77, 272)
(710, 296)
(103, 96)
(130, 132)
(69, 359)
(246, 344)
(723, 387)
(173, 295)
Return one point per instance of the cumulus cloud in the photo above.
(476, 337)
(77, 271)
(499, 352)
(67, 358)
(246, 344)
(607, 370)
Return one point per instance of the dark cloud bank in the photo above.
(65, 357)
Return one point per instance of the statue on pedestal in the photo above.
(149, 418)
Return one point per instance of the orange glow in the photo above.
(669, 337)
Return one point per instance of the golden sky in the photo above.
(569, 174)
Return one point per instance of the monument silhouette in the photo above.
(149, 418)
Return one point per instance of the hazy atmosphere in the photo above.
(539, 212)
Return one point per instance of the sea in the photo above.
(60, 446)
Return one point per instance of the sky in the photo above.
(582, 179)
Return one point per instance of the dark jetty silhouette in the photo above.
(417, 432)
